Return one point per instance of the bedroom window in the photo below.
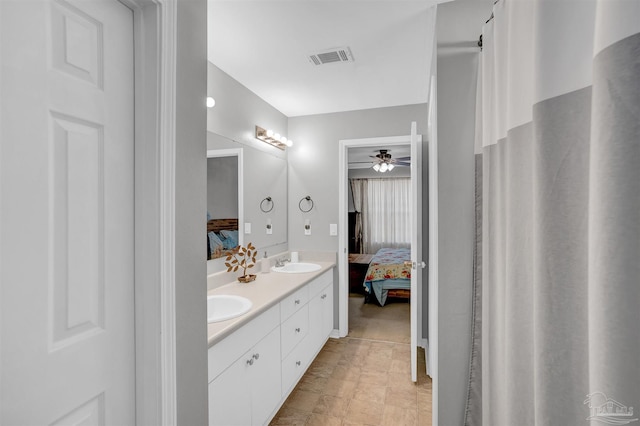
(386, 217)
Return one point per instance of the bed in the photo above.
(222, 236)
(389, 274)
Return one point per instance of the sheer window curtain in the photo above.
(359, 194)
(560, 259)
(386, 214)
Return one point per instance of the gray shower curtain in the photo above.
(557, 314)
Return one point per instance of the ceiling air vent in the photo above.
(341, 54)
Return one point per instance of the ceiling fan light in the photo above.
(376, 167)
(391, 166)
(384, 167)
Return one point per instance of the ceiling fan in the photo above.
(383, 162)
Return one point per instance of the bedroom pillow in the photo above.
(215, 243)
(230, 238)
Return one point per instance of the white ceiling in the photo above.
(264, 44)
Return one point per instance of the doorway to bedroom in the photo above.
(390, 217)
(379, 241)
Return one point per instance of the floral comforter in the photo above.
(389, 264)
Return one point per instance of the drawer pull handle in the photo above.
(256, 356)
(297, 301)
(298, 363)
(298, 330)
(250, 361)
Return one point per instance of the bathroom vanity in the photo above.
(255, 360)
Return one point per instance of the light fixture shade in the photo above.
(376, 167)
(391, 166)
(384, 167)
(289, 142)
(269, 133)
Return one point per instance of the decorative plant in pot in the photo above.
(245, 258)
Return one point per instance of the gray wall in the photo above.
(190, 229)
(238, 110)
(456, 126)
(313, 170)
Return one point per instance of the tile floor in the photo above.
(356, 381)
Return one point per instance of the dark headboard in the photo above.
(216, 225)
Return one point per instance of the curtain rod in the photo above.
(486, 22)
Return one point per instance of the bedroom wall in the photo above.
(313, 169)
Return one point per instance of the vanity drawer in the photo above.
(294, 366)
(320, 283)
(294, 329)
(293, 302)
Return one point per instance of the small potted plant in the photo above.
(245, 258)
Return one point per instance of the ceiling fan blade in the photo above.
(403, 158)
(402, 163)
(361, 162)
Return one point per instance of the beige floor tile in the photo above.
(373, 394)
(401, 397)
(339, 387)
(331, 406)
(373, 378)
(323, 420)
(364, 412)
(397, 416)
(302, 400)
(290, 417)
(311, 383)
(346, 372)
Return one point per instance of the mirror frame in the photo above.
(233, 152)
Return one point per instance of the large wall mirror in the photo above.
(255, 181)
(225, 181)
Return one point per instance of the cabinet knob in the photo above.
(250, 361)
(297, 301)
(298, 330)
(256, 356)
(298, 363)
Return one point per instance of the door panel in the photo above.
(66, 212)
(416, 243)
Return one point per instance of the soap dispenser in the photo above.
(264, 264)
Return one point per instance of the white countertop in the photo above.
(267, 290)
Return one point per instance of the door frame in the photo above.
(155, 39)
(343, 239)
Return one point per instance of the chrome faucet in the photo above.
(280, 262)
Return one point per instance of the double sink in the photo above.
(222, 307)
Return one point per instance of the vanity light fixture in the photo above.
(272, 138)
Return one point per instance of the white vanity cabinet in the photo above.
(248, 390)
(253, 370)
(319, 310)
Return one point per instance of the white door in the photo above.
(416, 244)
(66, 213)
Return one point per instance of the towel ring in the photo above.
(268, 200)
(307, 198)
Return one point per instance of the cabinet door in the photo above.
(316, 308)
(229, 397)
(265, 378)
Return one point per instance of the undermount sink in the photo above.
(221, 307)
(296, 268)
